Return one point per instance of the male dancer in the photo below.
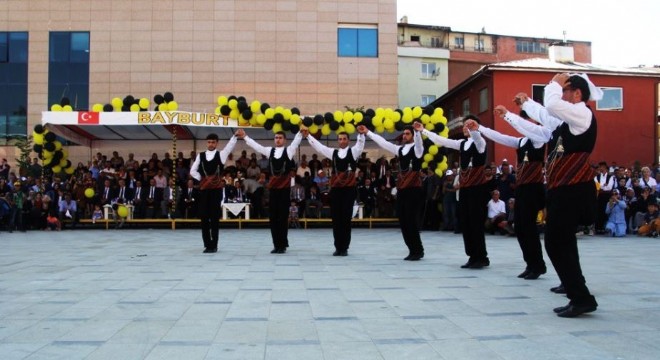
(571, 189)
(342, 185)
(207, 168)
(529, 191)
(408, 184)
(472, 212)
(280, 160)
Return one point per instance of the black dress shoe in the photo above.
(336, 253)
(479, 264)
(557, 310)
(415, 257)
(343, 253)
(467, 264)
(206, 250)
(558, 289)
(274, 251)
(576, 310)
(281, 251)
(523, 274)
(214, 250)
(532, 275)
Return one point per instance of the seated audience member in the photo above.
(293, 215)
(651, 223)
(68, 209)
(616, 217)
(640, 207)
(313, 204)
(97, 214)
(496, 214)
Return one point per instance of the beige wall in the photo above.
(283, 52)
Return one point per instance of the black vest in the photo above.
(473, 154)
(282, 165)
(583, 143)
(533, 154)
(409, 160)
(341, 165)
(213, 166)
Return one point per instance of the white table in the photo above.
(236, 208)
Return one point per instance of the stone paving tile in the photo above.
(152, 294)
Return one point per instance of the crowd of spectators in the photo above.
(162, 187)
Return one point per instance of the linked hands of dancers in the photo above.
(418, 126)
(304, 131)
(471, 125)
(362, 129)
(240, 133)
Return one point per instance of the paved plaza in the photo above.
(152, 294)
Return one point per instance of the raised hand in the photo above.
(471, 125)
(500, 110)
(418, 126)
(304, 131)
(240, 133)
(362, 129)
(520, 98)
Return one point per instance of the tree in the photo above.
(23, 161)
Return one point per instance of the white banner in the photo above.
(144, 118)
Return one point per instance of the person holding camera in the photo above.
(616, 212)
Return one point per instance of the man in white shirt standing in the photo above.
(207, 169)
(606, 183)
(342, 185)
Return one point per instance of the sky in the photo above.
(622, 33)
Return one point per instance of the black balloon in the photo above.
(108, 108)
(268, 125)
(49, 146)
(264, 107)
(328, 117)
(241, 99)
(399, 125)
(439, 127)
(318, 120)
(247, 114)
(125, 107)
(307, 121)
(50, 137)
(428, 110)
(39, 129)
(278, 118)
(286, 126)
(129, 100)
(294, 129)
(168, 96)
(158, 99)
(242, 105)
(68, 164)
(65, 101)
(295, 110)
(334, 125)
(225, 110)
(370, 112)
(232, 97)
(37, 148)
(57, 156)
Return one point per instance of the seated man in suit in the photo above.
(154, 196)
(188, 200)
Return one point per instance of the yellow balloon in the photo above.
(417, 112)
(56, 107)
(144, 103)
(407, 117)
(65, 153)
(118, 108)
(439, 172)
(295, 119)
(162, 107)
(234, 114)
(277, 127)
(425, 119)
(279, 110)
(340, 130)
(233, 104)
(270, 112)
(388, 123)
(313, 129)
(122, 211)
(380, 112)
(349, 128)
(433, 149)
(338, 115)
(255, 106)
(97, 107)
(442, 167)
(253, 121)
(390, 130)
(396, 116)
(89, 193)
(429, 127)
(380, 129)
(325, 130)
(443, 120)
(222, 100)
(357, 117)
(243, 122)
(117, 103)
(135, 108)
(172, 106)
(38, 138)
(47, 154)
(425, 165)
(217, 110)
(62, 163)
(287, 114)
(348, 116)
(445, 132)
(428, 157)
(377, 121)
(438, 111)
(58, 145)
(389, 113)
(56, 169)
(69, 170)
(67, 108)
(261, 119)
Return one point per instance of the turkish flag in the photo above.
(88, 117)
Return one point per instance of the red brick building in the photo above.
(627, 116)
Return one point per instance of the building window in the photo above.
(483, 100)
(68, 68)
(538, 91)
(612, 99)
(414, 38)
(357, 41)
(13, 85)
(478, 44)
(429, 70)
(427, 99)
(458, 43)
(524, 46)
(435, 42)
(466, 107)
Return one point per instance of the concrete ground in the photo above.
(152, 294)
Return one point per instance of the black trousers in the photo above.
(601, 216)
(530, 198)
(472, 213)
(278, 215)
(209, 215)
(409, 203)
(568, 207)
(342, 200)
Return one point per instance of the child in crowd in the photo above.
(651, 222)
(97, 214)
(293, 216)
(52, 222)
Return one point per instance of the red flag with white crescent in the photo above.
(88, 117)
